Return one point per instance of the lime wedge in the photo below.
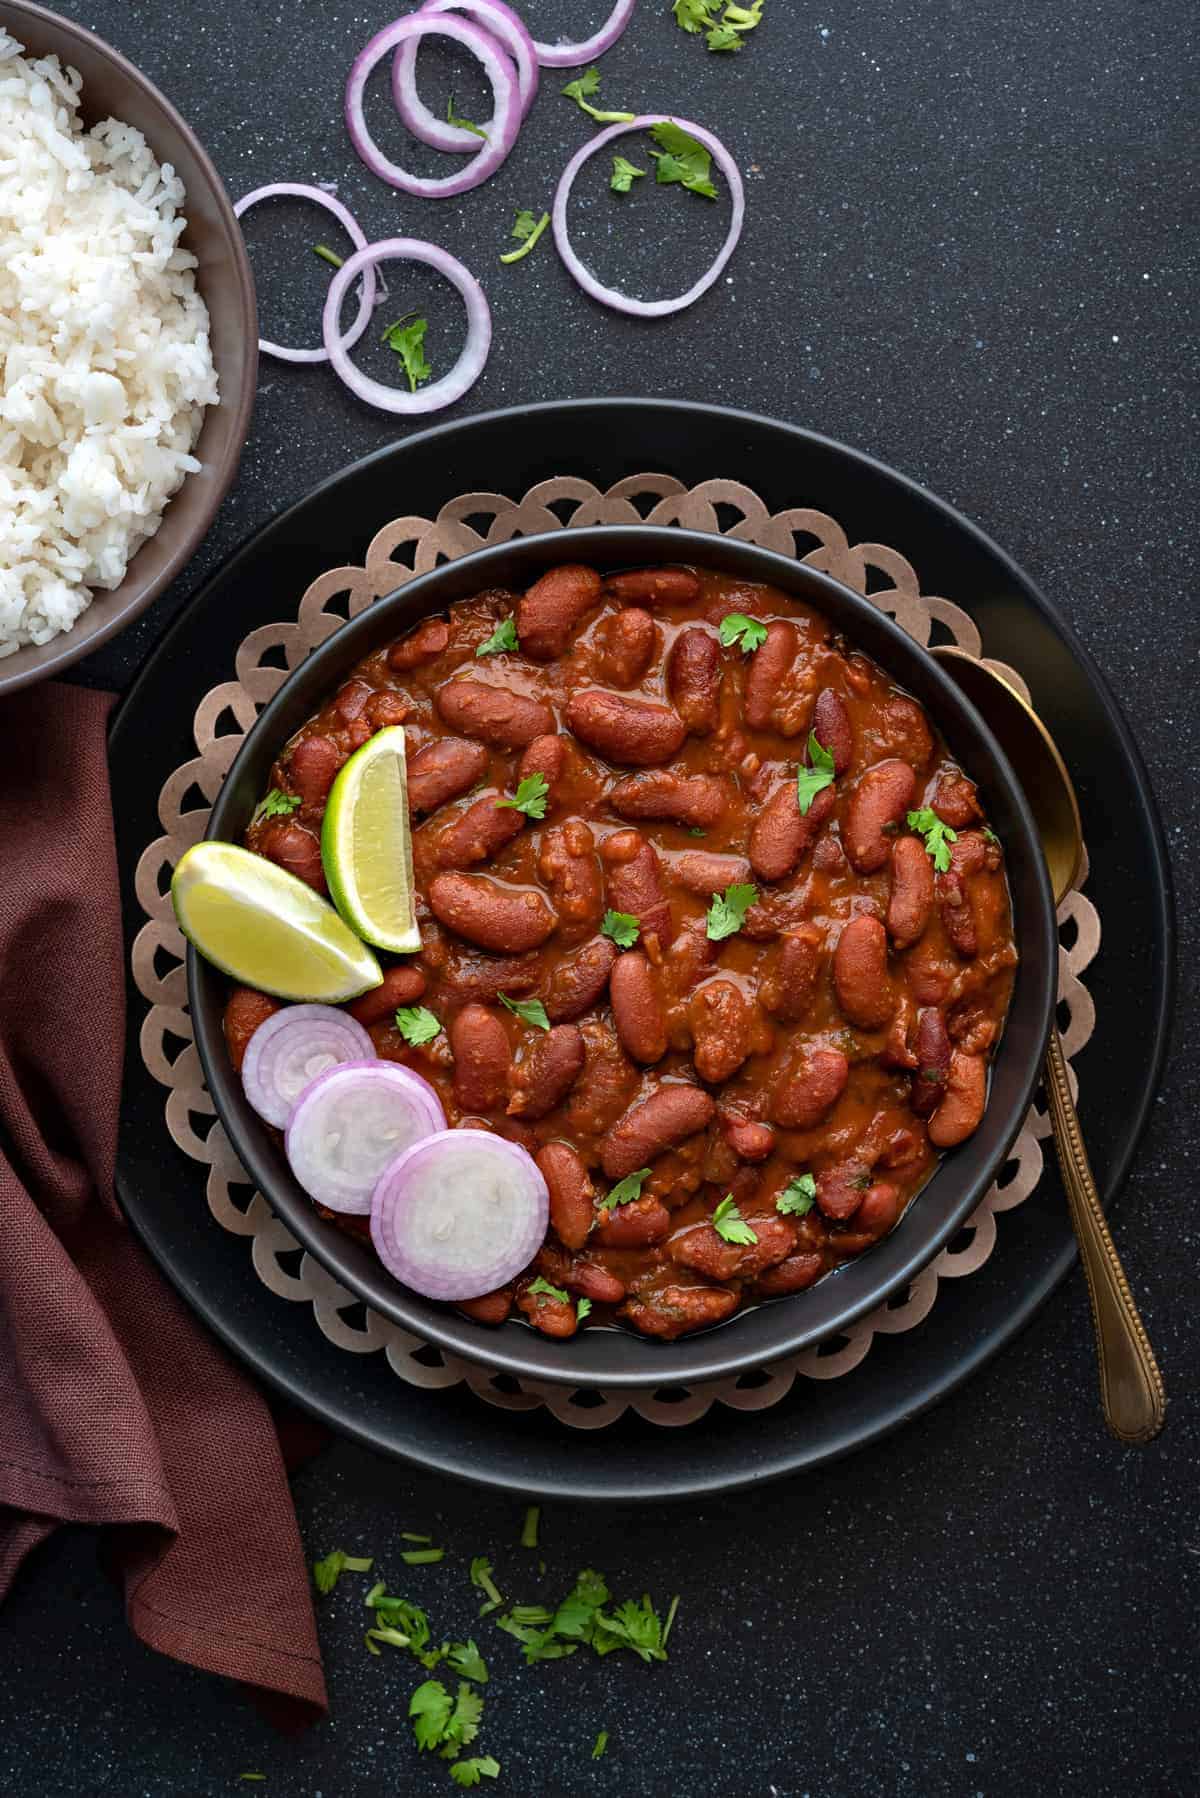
(366, 846)
(267, 929)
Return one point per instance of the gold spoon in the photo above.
(1131, 1386)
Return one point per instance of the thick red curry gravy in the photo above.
(843, 1031)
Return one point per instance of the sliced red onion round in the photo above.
(351, 1123)
(573, 56)
(459, 1214)
(609, 295)
(345, 218)
(291, 1049)
(470, 364)
(506, 117)
(509, 31)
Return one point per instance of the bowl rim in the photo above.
(690, 1359)
(64, 650)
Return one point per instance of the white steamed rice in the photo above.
(105, 367)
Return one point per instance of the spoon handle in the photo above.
(1131, 1386)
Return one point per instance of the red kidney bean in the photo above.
(608, 1082)
(788, 989)
(577, 981)
(668, 1116)
(834, 732)
(351, 701)
(424, 644)
(694, 679)
(879, 1209)
(572, 1195)
(567, 864)
(245, 1010)
(546, 1072)
(292, 847)
(478, 834)
(493, 916)
(492, 1308)
(720, 1020)
(933, 1062)
(494, 715)
(312, 768)
(812, 1089)
(906, 730)
(928, 973)
(400, 986)
(586, 1278)
(955, 801)
(896, 1052)
(692, 799)
(546, 756)
(633, 732)
(443, 770)
(386, 709)
(356, 733)
(700, 1248)
(655, 586)
(638, 1225)
(553, 1317)
(967, 856)
(781, 833)
(959, 1113)
(840, 1189)
(860, 974)
(549, 614)
(792, 1275)
(690, 956)
(472, 979)
(634, 885)
(911, 898)
(637, 1007)
(973, 1026)
(674, 1310)
(626, 642)
(481, 1058)
(767, 672)
(879, 801)
(749, 1140)
(704, 873)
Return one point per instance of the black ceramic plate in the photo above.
(1131, 980)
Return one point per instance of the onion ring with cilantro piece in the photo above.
(299, 190)
(609, 296)
(573, 56)
(509, 31)
(470, 364)
(506, 117)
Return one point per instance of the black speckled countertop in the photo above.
(970, 249)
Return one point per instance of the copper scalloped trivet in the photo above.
(411, 546)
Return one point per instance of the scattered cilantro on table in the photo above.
(680, 158)
(527, 229)
(589, 83)
(624, 175)
(328, 1571)
(454, 118)
(408, 341)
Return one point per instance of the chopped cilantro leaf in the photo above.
(729, 1223)
(816, 777)
(727, 913)
(463, 1724)
(469, 1773)
(542, 1289)
(412, 1536)
(624, 175)
(328, 1571)
(422, 1557)
(631, 1625)
(798, 1196)
(582, 1308)
(724, 37)
(599, 1745)
(988, 834)
(749, 633)
(408, 341)
(417, 1025)
(327, 255)
(693, 15)
(531, 796)
(529, 1529)
(466, 1660)
(504, 637)
(275, 805)
(429, 1708)
(626, 1190)
(530, 1011)
(589, 83)
(682, 159)
(453, 118)
(481, 1577)
(527, 229)
(938, 836)
(621, 928)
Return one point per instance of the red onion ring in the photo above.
(349, 224)
(504, 25)
(609, 295)
(506, 119)
(470, 364)
(573, 56)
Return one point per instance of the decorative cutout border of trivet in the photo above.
(411, 546)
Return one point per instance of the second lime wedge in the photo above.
(267, 929)
(366, 846)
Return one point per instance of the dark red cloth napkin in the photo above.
(116, 1407)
